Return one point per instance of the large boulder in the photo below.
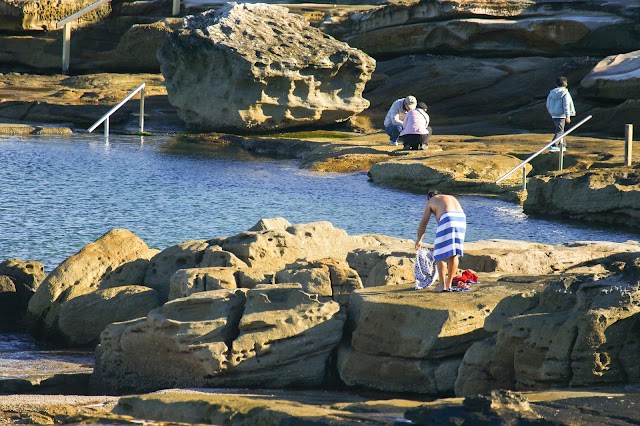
(81, 274)
(257, 67)
(577, 332)
(274, 335)
(600, 195)
(404, 340)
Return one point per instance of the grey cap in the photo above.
(411, 101)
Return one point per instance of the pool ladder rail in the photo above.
(105, 118)
(540, 151)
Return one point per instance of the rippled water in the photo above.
(59, 193)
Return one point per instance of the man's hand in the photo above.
(568, 120)
(418, 245)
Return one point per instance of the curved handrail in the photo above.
(541, 150)
(117, 107)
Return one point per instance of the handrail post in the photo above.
(561, 157)
(106, 130)
(66, 37)
(628, 144)
(66, 48)
(176, 7)
(142, 110)
(524, 178)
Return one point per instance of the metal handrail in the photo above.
(105, 117)
(540, 151)
(66, 34)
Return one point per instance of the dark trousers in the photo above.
(559, 123)
(416, 141)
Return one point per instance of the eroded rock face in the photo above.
(274, 335)
(577, 332)
(44, 14)
(257, 67)
(274, 248)
(512, 28)
(599, 195)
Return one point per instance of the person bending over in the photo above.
(448, 245)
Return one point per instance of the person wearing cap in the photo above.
(395, 117)
(415, 128)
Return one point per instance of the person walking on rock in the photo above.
(395, 117)
(449, 243)
(416, 131)
(560, 107)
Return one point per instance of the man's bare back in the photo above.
(441, 203)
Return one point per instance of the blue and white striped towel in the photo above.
(450, 235)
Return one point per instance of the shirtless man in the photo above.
(452, 224)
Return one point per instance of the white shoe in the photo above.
(392, 143)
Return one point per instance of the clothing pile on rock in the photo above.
(465, 280)
(425, 269)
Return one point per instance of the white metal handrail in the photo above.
(66, 34)
(540, 151)
(105, 117)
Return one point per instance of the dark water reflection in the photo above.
(59, 193)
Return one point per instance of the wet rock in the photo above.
(275, 336)
(291, 74)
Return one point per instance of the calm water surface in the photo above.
(59, 193)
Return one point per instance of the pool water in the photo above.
(59, 193)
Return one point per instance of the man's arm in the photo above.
(567, 107)
(422, 227)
